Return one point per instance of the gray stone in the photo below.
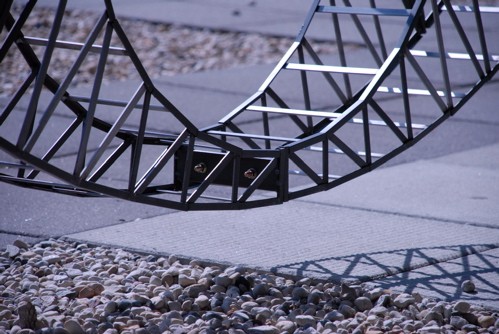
(202, 301)
(135, 274)
(468, 286)
(305, 320)
(73, 327)
(21, 244)
(486, 321)
(195, 289)
(347, 311)
(379, 311)
(383, 300)
(158, 302)
(299, 293)
(111, 307)
(185, 280)
(73, 272)
(223, 280)
(348, 293)
(374, 294)
(462, 307)
(242, 315)
(435, 316)
(334, 316)
(457, 322)
(470, 328)
(286, 326)
(27, 315)
(262, 312)
(12, 251)
(263, 330)
(315, 297)
(247, 306)
(404, 300)
(259, 290)
(363, 304)
(52, 259)
(430, 329)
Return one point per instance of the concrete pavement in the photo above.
(425, 223)
(391, 226)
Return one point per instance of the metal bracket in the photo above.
(204, 162)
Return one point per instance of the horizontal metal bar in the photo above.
(412, 91)
(296, 112)
(113, 103)
(363, 11)
(327, 114)
(14, 165)
(178, 193)
(451, 55)
(382, 123)
(252, 136)
(331, 69)
(338, 151)
(300, 173)
(50, 186)
(471, 9)
(74, 46)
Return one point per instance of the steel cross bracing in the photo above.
(317, 121)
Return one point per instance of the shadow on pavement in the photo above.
(420, 270)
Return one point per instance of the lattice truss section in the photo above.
(317, 121)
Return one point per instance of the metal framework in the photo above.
(287, 140)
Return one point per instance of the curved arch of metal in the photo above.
(284, 142)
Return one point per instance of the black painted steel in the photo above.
(296, 142)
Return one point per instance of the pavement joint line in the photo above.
(396, 271)
(30, 235)
(400, 214)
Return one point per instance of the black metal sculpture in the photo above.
(291, 148)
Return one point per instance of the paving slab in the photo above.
(463, 187)
(302, 239)
(443, 281)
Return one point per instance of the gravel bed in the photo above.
(164, 49)
(60, 287)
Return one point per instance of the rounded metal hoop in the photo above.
(317, 121)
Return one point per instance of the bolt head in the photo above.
(251, 174)
(200, 168)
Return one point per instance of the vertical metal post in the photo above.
(405, 97)
(364, 35)
(89, 117)
(15, 29)
(304, 84)
(283, 195)
(137, 145)
(377, 26)
(481, 35)
(367, 135)
(325, 159)
(187, 170)
(341, 50)
(29, 119)
(236, 166)
(265, 120)
(443, 55)
(460, 30)
(4, 11)
(65, 83)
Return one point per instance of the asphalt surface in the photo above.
(425, 222)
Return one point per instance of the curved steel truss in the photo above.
(317, 121)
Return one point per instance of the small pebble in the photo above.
(104, 290)
(468, 286)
